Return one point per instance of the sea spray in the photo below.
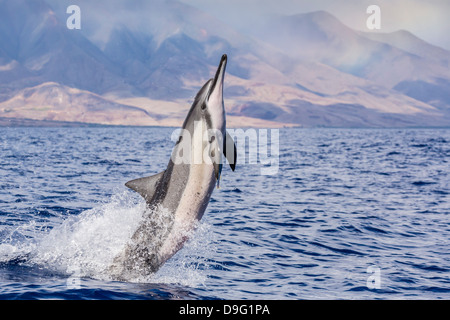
(185, 267)
(17, 242)
(84, 245)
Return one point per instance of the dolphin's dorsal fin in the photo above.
(229, 150)
(145, 186)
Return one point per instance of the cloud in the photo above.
(427, 19)
(99, 18)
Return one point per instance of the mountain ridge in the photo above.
(300, 70)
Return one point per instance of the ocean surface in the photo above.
(349, 214)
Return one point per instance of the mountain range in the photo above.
(300, 70)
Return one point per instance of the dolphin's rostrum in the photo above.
(177, 197)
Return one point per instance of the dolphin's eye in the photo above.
(204, 106)
(212, 139)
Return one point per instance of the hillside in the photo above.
(299, 70)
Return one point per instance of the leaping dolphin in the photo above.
(177, 197)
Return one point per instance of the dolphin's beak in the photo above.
(216, 91)
(217, 111)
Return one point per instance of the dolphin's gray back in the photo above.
(172, 182)
(175, 180)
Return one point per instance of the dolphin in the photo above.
(177, 197)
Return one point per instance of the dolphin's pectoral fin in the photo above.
(145, 186)
(217, 172)
(229, 150)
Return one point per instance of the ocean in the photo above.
(348, 214)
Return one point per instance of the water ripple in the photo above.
(347, 206)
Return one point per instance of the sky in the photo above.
(429, 20)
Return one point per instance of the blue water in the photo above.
(351, 214)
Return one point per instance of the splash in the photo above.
(15, 245)
(189, 267)
(86, 245)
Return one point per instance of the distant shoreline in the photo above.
(22, 122)
(6, 122)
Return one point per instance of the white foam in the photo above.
(16, 244)
(85, 245)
